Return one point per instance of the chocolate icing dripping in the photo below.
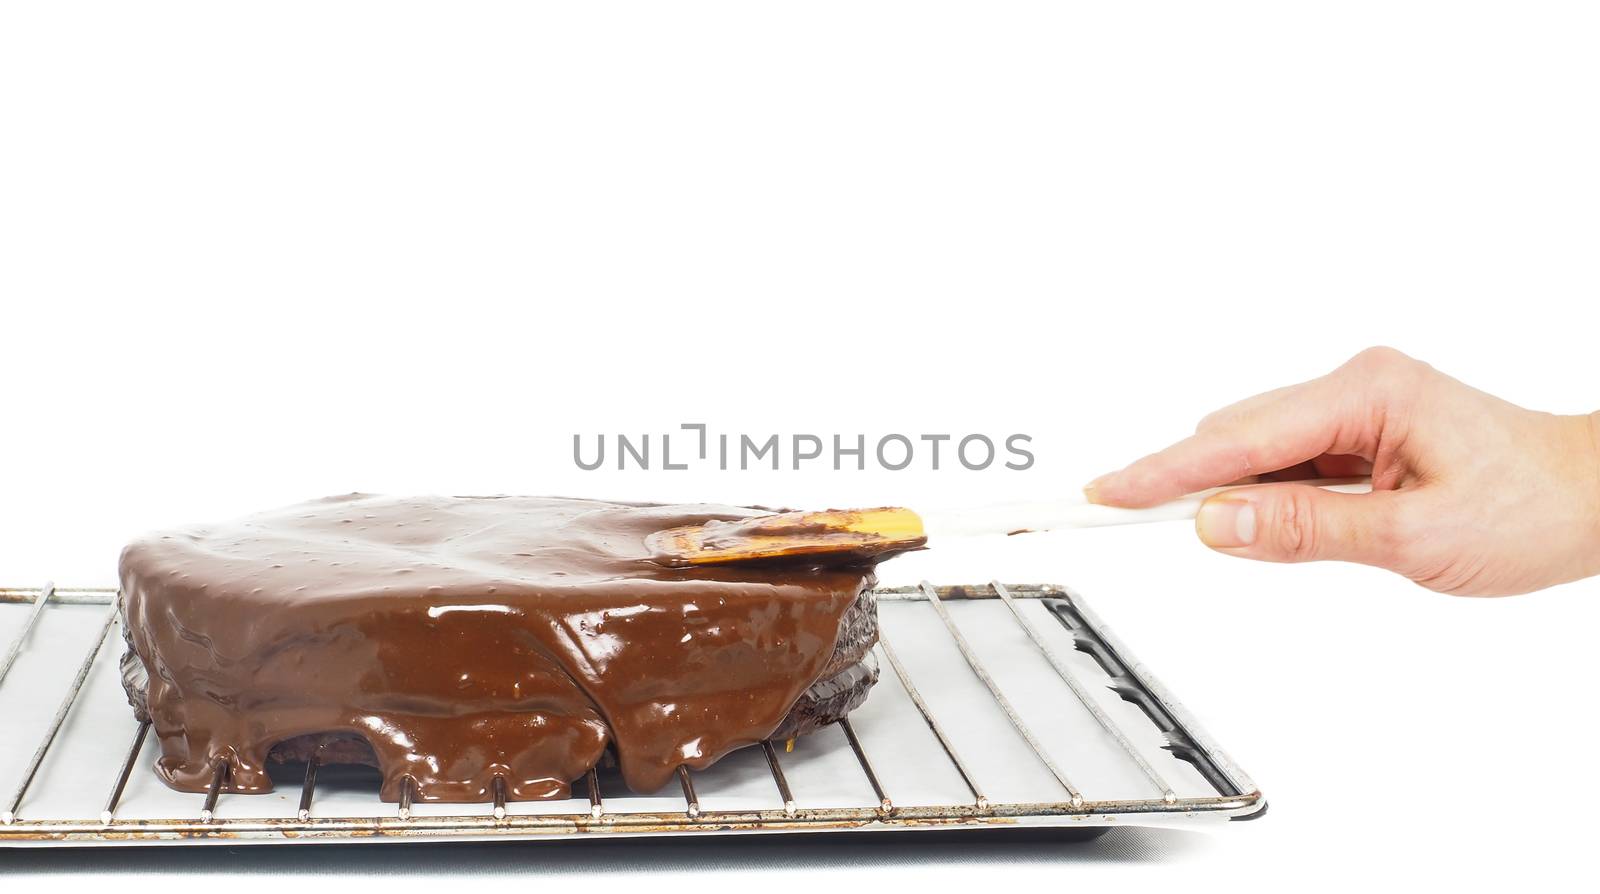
(466, 638)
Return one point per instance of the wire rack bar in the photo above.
(597, 807)
(884, 804)
(308, 788)
(499, 788)
(691, 801)
(10, 815)
(778, 777)
(110, 810)
(407, 792)
(1000, 697)
(45, 592)
(979, 797)
(208, 812)
(60, 595)
(1077, 687)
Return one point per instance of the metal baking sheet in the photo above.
(998, 706)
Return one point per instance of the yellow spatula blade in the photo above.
(862, 532)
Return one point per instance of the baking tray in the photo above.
(999, 706)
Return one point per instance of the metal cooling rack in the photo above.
(999, 706)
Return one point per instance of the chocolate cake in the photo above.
(451, 640)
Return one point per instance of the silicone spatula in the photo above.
(872, 532)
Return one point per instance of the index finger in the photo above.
(1263, 434)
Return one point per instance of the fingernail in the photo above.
(1092, 489)
(1226, 524)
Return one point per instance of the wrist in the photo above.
(1590, 480)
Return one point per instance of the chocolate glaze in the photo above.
(469, 637)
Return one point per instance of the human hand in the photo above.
(1471, 495)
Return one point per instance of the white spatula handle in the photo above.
(1018, 517)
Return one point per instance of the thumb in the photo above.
(1299, 523)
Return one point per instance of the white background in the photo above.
(255, 254)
